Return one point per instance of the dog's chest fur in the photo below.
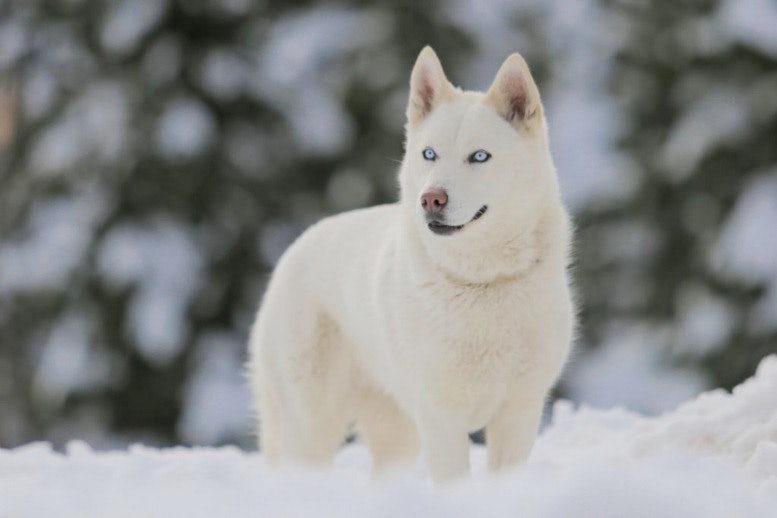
(473, 333)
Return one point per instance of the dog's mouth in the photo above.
(441, 229)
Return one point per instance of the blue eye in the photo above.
(479, 156)
(429, 154)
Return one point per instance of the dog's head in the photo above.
(477, 165)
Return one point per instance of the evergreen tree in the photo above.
(696, 92)
(163, 154)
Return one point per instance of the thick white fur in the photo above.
(419, 338)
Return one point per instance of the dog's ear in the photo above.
(514, 95)
(428, 86)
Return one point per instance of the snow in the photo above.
(302, 44)
(582, 121)
(127, 22)
(747, 247)
(582, 132)
(40, 89)
(13, 36)
(69, 362)
(236, 7)
(491, 24)
(631, 369)
(301, 65)
(705, 320)
(184, 129)
(715, 456)
(163, 261)
(751, 22)
(53, 242)
(216, 402)
(223, 74)
(716, 117)
(95, 124)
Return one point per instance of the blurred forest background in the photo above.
(157, 156)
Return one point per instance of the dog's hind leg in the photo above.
(389, 433)
(303, 390)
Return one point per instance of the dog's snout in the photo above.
(434, 200)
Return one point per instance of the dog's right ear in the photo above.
(514, 94)
(428, 86)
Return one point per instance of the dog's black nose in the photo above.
(434, 200)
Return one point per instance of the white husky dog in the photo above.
(442, 314)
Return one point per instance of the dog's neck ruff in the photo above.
(496, 281)
(505, 262)
(519, 258)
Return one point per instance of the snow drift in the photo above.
(713, 456)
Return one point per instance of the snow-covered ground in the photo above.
(713, 456)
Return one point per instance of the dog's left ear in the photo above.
(514, 95)
(428, 86)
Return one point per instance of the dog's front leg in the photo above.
(511, 433)
(445, 445)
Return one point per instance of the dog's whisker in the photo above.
(480, 212)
